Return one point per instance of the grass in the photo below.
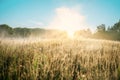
(85, 59)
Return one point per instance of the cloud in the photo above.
(69, 19)
(37, 23)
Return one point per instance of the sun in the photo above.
(70, 33)
(67, 19)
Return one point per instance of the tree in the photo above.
(101, 28)
(5, 30)
(21, 32)
(116, 27)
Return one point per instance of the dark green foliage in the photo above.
(21, 32)
(112, 33)
(109, 33)
(118, 73)
(5, 30)
(101, 28)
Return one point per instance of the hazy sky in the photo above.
(59, 13)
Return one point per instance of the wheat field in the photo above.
(67, 59)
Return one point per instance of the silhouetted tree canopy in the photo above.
(101, 28)
(102, 32)
(21, 32)
(115, 27)
(5, 30)
(112, 33)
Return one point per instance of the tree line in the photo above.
(7, 31)
(102, 32)
(111, 32)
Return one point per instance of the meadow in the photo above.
(65, 59)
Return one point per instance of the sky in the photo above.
(60, 14)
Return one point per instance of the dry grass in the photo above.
(59, 59)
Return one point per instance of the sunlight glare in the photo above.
(70, 34)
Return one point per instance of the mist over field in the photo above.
(59, 40)
(101, 32)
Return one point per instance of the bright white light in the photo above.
(68, 19)
(70, 34)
